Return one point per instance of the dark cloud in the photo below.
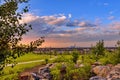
(72, 23)
(80, 23)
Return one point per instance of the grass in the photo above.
(12, 73)
(32, 57)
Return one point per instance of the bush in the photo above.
(75, 56)
(72, 73)
(99, 49)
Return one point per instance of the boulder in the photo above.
(114, 74)
(101, 70)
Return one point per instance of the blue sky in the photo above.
(68, 22)
(88, 9)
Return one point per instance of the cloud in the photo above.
(98, 21)
(72, 23)
(111, 17)
(54, 20)
(115, 26)
(60, 29)
(86, 24)
(28, 17)
(79, 23)
(69, 15)
(105, 4)
(111, 12)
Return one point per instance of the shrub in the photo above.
(75, 56)
(72, 73)
(99, 49)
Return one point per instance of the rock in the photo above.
(114, 74)
(95, 64)
(46, 75)
(97, 78)
(101, 70)
(81, 65)
(43, 73)
(109, 72)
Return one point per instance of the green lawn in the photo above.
(32, 57)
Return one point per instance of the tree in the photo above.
(99, 48)
(75, 56)
(11, 30)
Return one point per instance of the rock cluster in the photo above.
(107, 72)
(42, 74)
(114, 74)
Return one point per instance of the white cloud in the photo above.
(28, 17)
(111, 17)
(69, 15)
(57, 20)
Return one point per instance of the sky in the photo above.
(65, 23)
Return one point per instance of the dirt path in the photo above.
(30, 62)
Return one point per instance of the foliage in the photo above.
(34, 44)
(116, 56)
(73, 73)
(75, 56)
(11, 30)
(99, 48)
(107, 58)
